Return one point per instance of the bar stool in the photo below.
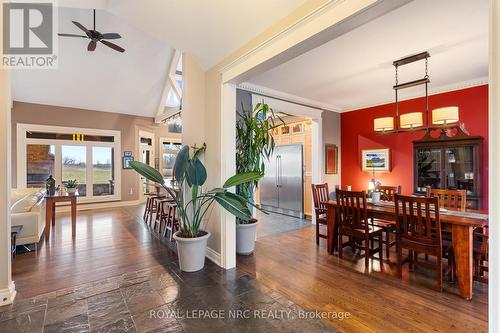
(162, 212)
(172, 222)
(152, 207)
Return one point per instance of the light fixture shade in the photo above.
(445, 115)
(411, 120)
(383, 124)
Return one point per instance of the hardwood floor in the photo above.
(378, 301)
(108, 243)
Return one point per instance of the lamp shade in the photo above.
(383, 124)
(445, 115)
(411, 120)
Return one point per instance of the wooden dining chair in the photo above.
(449, 199)
(387, 192)
(320, 198)
(480, 254)
(352, 216)
(418, 230)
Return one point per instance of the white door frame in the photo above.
(494, 167)
(149, 135)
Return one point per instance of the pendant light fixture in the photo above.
(441, 117)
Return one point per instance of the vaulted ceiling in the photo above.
(133, 82)
(355, 70)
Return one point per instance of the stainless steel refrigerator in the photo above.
(282, 187)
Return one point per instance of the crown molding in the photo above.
(432, 91)
(257, 89)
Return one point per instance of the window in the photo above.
(40, 164)
(87, 155)
(102, 168)
(169, 151)
(74, 166)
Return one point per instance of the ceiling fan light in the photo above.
(383, 124)
(445, 115)
(411, 120)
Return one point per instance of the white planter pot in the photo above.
(71, 190)
(245, 238)
(191, 252)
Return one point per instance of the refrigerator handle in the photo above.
(279, 170)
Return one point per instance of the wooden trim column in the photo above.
(7, 290)
(494, 166)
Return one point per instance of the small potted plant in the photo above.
(71, 186)
(190, 175)
(254, 143)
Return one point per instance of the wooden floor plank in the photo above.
(108, 243)
(378, 300)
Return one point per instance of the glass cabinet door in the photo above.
(428, 168)
(459, 168)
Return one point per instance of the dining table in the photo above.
(461, 224)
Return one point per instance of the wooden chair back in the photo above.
(351, 210)
(320, 196)
(387, 192)
(449, 199)
(417, 222)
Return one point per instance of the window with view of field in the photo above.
(102, 171)
(87, 156)
(74, 166)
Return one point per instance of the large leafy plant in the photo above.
(192, 201)
(254, 144)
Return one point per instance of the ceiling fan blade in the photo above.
(111, 35)
(87, 32)
(72, 35)
(92, 45)
(113, 46)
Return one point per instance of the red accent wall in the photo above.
(357, 134)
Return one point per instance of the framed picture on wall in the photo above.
(331, 159)
(126, 162)
(297, 128)
(376, 160)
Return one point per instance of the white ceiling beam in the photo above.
(163, 112)
(89, 4)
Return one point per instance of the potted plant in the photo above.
(254, 144)
(71, 186)
(193, 202)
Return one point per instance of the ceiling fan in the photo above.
(95, 37)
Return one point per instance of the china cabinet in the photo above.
(451, 161)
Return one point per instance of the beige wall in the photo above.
(129, 127)
(331, 135)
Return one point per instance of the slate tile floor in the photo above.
(125, 303)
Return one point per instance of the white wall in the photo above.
(494, 167)
(7, 290)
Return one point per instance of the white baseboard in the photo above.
(214, 256)
(7, 295)
(100, 205)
